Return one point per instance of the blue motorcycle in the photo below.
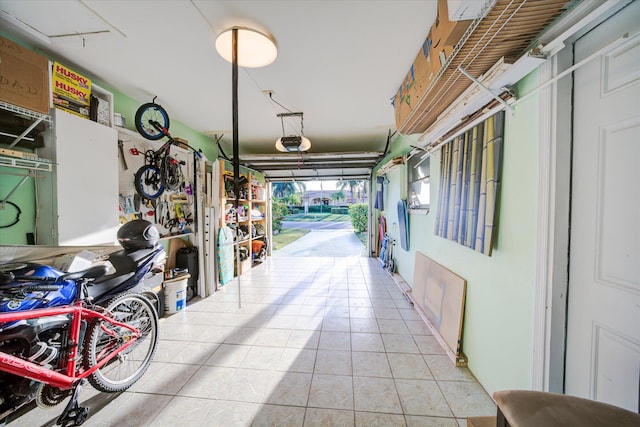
(27, 286)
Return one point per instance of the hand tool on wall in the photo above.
(122, 159)
(129, 205)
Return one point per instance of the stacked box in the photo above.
(446, 35)
(436, 49)
(24, 76)
(103, 112)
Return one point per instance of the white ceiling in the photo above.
(339, 62)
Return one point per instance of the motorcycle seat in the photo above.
(136, 256)
(125, 268)
(126, 265)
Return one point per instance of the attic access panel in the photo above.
(74, 22)
(308, 166)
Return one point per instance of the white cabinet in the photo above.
(78, 203)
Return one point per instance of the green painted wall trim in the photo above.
(128, 106)
(498, 323)
(24, 197)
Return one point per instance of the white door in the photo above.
(603, 321)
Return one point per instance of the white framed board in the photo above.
(439, 296)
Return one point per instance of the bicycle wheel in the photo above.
(172, 177)
(102, 338)
(148, 182)
(148, 113)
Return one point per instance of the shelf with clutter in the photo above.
(243, 222)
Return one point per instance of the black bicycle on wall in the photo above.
(161, 171)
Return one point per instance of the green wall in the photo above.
(127, 106)
(498, 322)
(24, 197)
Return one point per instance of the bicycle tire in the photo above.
(147, 112)
(127, 367)
(148, 182)
(172, 177)
(154, 299)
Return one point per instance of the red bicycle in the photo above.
(110, 346)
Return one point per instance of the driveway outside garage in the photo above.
(326, 239)
(330, 225)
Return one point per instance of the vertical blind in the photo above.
(469, 183)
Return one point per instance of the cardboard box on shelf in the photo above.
(446, 32)
(446, 35)
(436, 49)
(401, 105)
(460, 10)
(423, 66)
(103, 112)
(25, 77)
(415, 82)
(440, 54)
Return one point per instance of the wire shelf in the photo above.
(25, 112)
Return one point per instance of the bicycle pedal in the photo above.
(74, 417)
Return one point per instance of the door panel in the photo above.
(603, 318)
(617, 239)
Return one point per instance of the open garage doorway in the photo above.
(320, 218)
(318, 190)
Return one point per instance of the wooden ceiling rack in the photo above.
(508, 29)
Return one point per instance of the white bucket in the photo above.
(175, 294)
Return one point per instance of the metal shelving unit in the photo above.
(19, 159)
(33, 163)
(35, 116)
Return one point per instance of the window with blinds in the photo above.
(419, 182)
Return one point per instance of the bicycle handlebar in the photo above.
(171, 141)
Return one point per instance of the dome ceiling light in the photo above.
(255, 49)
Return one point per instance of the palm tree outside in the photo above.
(338, 196)
(357, 189)
(282, 189)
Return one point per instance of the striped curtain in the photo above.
(469, 179)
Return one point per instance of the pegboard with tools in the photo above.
(173, 212)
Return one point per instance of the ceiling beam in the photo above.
(287, 167)
(276, 177)
(305, 156)
(266, 163)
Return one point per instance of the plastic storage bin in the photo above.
(175, 294)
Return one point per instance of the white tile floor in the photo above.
(317, 342)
